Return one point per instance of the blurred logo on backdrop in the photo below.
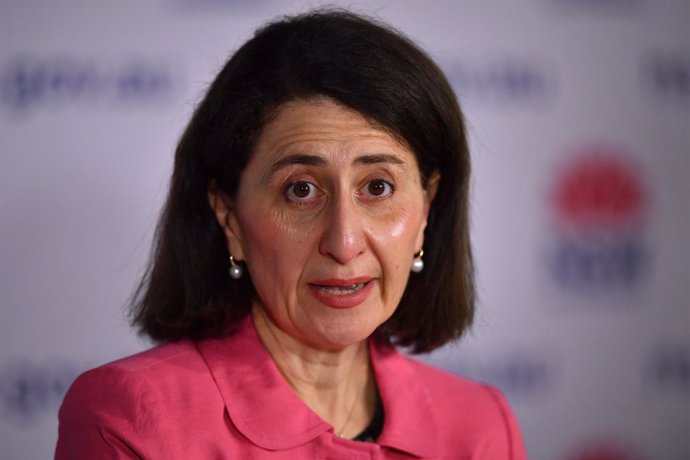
(666, 75)
(234, 4)
(606, 449)
(29, 389)
(598, 206)
(30, 83)
(521, 374)
(501, 81)
(668, 369)
(597, 6)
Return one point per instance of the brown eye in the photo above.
(379, 188)
(301, 192)
(301, 189)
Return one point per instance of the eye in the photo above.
(378, 188)
(301, 191)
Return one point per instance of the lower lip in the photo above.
(345, 300)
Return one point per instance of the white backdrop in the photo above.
(579, 117)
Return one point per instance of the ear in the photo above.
(431, 189)
(429, 195)
(222, 207)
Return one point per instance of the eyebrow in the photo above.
(299, 159)
(315, 160)
(379, 158)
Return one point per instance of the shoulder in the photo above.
(137, 372)
(134, 398)
(155, 371)
(468, 415)
(108, 388)
(159, 357)
(440, 384)
(478, 409)
(481, 397)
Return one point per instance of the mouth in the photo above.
(340, 290)
(342, 293)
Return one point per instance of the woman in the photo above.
(327, 162)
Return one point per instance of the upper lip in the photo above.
(342, 282)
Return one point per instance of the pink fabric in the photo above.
(225, 398)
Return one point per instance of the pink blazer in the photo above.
(225, 398)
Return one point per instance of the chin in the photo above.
(348, 331)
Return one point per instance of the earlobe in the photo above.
(222, 208)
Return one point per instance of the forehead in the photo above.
(322, 124)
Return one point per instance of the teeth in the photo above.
(341, 290)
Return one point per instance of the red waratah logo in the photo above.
(601, 186)
(598, 203)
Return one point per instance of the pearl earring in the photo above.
(417, 262)
(235, 270)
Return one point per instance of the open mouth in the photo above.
(340, 290)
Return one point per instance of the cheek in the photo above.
(399, 227)
(274, 245)
(270, 231)
(396, 238)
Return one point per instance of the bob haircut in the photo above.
(360, 64)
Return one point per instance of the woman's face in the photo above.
(328, 215)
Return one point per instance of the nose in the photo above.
(343, 233)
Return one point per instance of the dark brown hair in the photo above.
(363, 65)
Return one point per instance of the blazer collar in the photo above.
(259, 401)
(265, 409)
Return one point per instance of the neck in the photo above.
(337, 385)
